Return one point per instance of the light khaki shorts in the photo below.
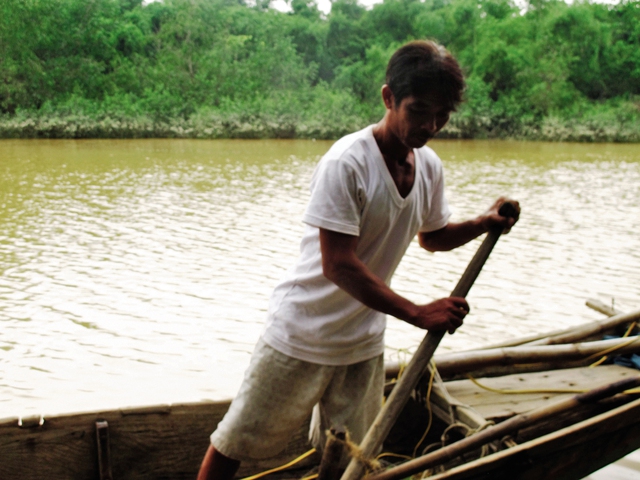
(279, 392)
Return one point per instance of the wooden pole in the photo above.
(330, 463)
(508, 426)
(418, 364)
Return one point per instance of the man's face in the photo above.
(418, 118)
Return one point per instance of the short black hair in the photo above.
(423, 66)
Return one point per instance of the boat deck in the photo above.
(497, 406)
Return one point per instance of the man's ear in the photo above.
(387, 97)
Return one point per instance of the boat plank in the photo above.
(497, 406)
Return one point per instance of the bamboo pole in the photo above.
(590, 329)
(418, 364)
(539, 337)
(515, 342)
(330, 463)
(505, 428)
(457, 363)
(601, 307)
(392, 370)
(527, 358)
(514, 369)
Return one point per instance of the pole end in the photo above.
(508, 209)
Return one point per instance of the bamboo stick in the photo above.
(513, 424)
(515, 342)
(456, 363)
(573, 334)
(393, 369)
(523, 359)
(598, 306)
(330, 463)
(496, 370)
(517, 368)
(417, 366)
(590, 329)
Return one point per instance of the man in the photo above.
(371, 193)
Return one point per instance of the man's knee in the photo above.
(217, 466)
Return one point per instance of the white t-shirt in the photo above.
(352, 192)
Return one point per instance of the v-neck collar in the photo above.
(398, 199)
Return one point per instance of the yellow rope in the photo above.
(599, 362)
(424, 435)
(551, 390)
(282, 467)
(310, 477)
(401, 370)
(394, 380)
(612, 349)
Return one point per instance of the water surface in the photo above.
(138, 272)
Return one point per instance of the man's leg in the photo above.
(276, 397)
(352, 400)
(216, 466)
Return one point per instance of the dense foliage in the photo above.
(219, 68)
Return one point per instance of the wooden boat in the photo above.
(168, 441)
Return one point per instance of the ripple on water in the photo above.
(138, 272)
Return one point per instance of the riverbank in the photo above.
(217, 69)
(301, 126)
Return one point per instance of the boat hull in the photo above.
(169, 441)
(571, 453)
(159, 442)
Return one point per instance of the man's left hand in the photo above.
(492, 218)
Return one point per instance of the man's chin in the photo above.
(419, 142)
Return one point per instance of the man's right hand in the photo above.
(341, 265)
(444, 314)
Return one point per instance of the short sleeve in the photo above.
(335, 198)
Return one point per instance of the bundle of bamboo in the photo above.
(547, 402)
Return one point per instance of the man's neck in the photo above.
(392, 149)
(397, 156)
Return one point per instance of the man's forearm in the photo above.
(452, 236)
(456, 234)
(341, 265)
(358, 281)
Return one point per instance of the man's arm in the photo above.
(342, 266)
(456, 234)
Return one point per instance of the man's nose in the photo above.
(430, 124)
